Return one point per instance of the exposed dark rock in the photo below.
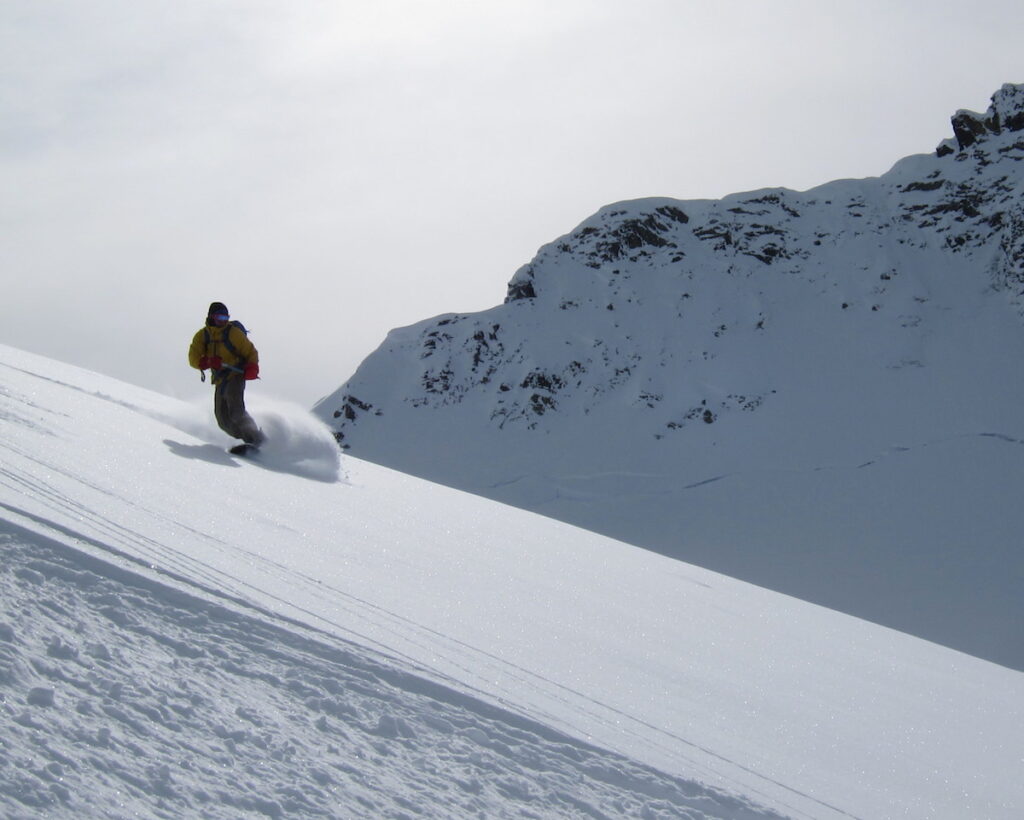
(924, 186)
(521, 286)
(968, 128)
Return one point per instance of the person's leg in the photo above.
(241, 424)
(222, 408)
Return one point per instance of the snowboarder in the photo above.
(223, 347)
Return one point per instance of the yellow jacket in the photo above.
(229, 343)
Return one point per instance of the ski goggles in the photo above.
(220, 317)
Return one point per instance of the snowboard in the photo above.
(244, 449)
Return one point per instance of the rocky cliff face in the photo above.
(686, 375)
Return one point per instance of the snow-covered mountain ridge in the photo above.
(792, 388)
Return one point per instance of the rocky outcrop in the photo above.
(1005, 114)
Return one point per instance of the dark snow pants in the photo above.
(229, 408)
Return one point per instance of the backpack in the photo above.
(226, 341)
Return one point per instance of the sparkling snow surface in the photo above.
(184, 633)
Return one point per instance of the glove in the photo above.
(252, 371)
(210, 363)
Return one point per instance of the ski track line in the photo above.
(145, 547)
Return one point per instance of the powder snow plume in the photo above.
(297, 442)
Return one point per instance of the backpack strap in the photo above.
(226, 341)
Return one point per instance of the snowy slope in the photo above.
(817, 392)
(188, 634)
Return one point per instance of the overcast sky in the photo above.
(332, 169)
